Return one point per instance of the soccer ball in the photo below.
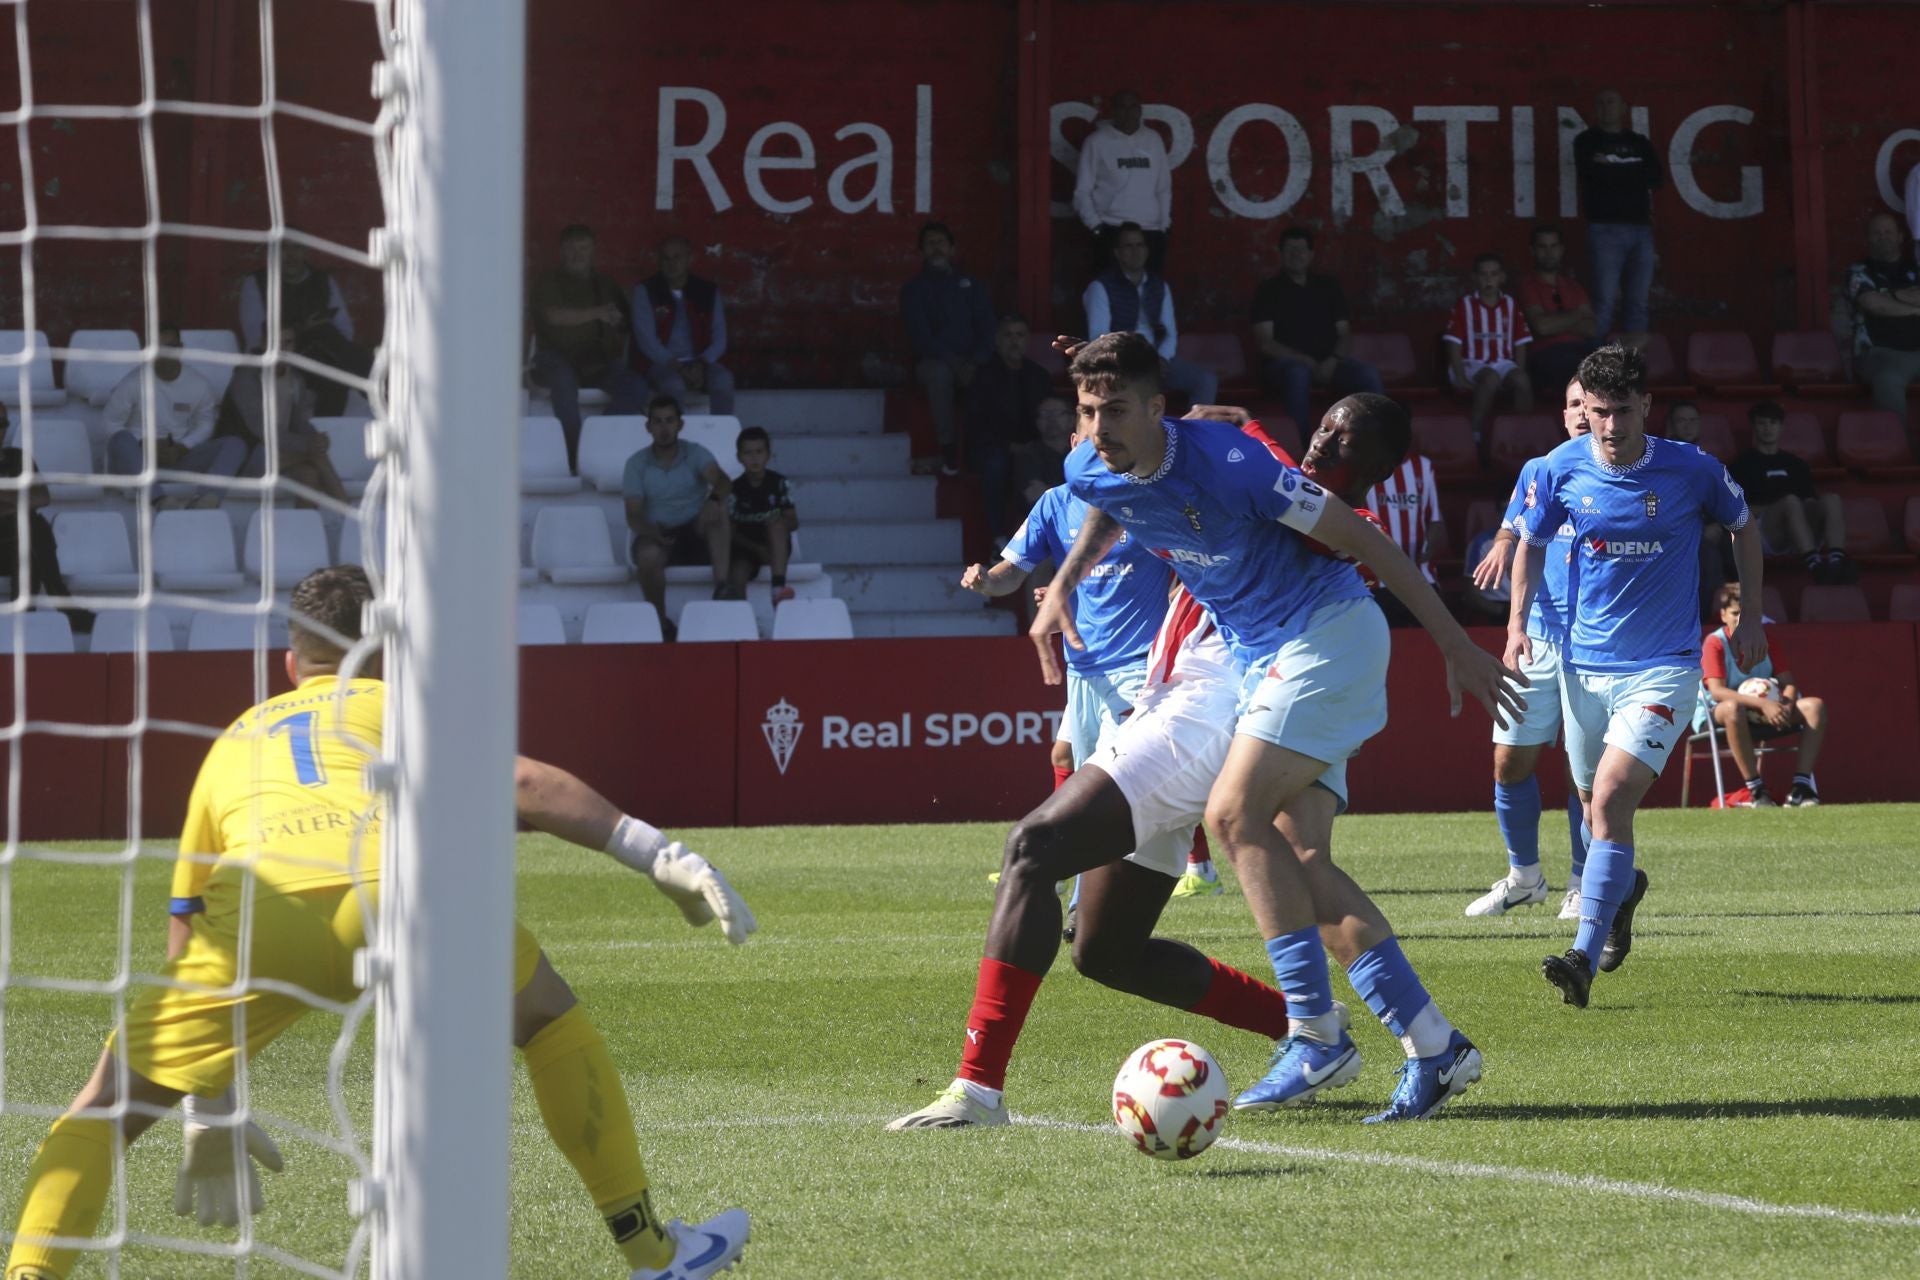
(1170, 1099)
(1760, 687)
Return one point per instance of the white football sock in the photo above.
(1324, 1029)
(979, 1093)
(1428, 1033)
(1530, 875)
(634, 844)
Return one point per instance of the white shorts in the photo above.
(1539, 724)
(1470, 369)
(1166, 755)
(1643, 713)
(1325, 692)
(1096, 706)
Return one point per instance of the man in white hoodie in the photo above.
(1124, 177)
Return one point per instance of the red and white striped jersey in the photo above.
(1404, 504)
(1488, 333)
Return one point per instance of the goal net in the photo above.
(267, 319)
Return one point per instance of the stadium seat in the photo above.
(1808, 360)
(717, 620)
(1910, 526)
(1040, 351)
(1222, 353)
(1391, 354)
(1722, 358)
(1773, 605)
(348, 451)
(1905, 604)
(1834, 604)
(818, 618)
(95, 555)
(543, 458)
(193, 551)
(39, 390)
(622, 622)
(217, 372)
(1802, 437)
(61, 446)
(571, 547)
(1514, 438)
(227, 631)
(1716, 437)
(539, 624)
(719, 434)
(1872, 440)
(1662, 369)
(299, 546)
(118, 631)
(1482, 515)
(92, 381)
(606, 443)
(1447, 440)
(36, 631)
(1868, 532)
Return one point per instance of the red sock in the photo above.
(1200, 851)
(1060, 777)
(1001, 999)
(1243, 1001)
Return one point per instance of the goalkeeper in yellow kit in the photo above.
(279, 814)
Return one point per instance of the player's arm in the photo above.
(1726, 504)
(1004, 578)
(1528, 567)
(1492, 569)
(193, 867)
(1098, 534)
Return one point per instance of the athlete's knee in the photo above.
(1063, 755)
(1814, 712)
(1101, 961)
(1512, 765)
(1728, 713)
(1035, 848)
(1233, 826)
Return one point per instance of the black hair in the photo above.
(1768, 409)
(330, 598)
(1116, 358)
(1387, 424)
(929, 227)
(749, 435)
(663, 401)
(1012, 317)
(575, 231)
(1545, 229)
(1613, 372)
(1494, 258)
(1296, 233)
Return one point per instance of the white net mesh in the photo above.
(166, 556)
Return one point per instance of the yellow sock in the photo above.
(67, 1190)
(584, 1106)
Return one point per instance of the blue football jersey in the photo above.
(1547, 620)
(1121, 601)
(1230, 518)
(1636, 558)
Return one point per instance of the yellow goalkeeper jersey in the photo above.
(282, 789)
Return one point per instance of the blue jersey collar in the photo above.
(1593, 451)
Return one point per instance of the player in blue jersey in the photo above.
(1516, 748)
(1632, 660)
(1239, 528)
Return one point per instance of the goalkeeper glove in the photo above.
(701, 892)
(208, 1185)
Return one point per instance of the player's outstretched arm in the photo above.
(551, 800)
(1749, 638)
(1098, 532)
(1492, 569)
(1528, 566)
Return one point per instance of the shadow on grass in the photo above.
(1894, 1107)
(1643, 929)
(1263, 1171)
(1830, 997)
(1788, 915)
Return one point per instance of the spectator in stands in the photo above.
(314, 323)
(185, 412)
(1885, 290)
(1559, 313)
(1127, 297)
(1484, 335)
(43, 553)
(949, 316)
(302, 447)
(1683, 422)
(581, 318)
(1793, 517)
(687, 333)
(1041, 463)
(676, 497)
(1300, 326)
(1747, 719)
(1124, 178)
(1408, 506)
(1618, 171)
(764, 519)
(1006, 395)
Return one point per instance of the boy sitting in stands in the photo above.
(763, 517)
(1747, 719)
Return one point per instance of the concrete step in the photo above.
(841, 456)
(933, 542)
(938, 622)
(792, 413)
(886, 588)
(864, 498)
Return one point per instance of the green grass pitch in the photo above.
(1741, 1099)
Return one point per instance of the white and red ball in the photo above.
(1760, 687)
(1170, 1099)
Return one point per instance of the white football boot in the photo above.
(702, 1249)
(955, 1108)
(1507, 893)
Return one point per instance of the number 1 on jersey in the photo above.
(299, 731)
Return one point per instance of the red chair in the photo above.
(1834, 604)
(1809, 361)
(1663, 370)
(1447, 439)
(1723, 359)
(1868, 533)
(1223, 353)
(1905, 604)
(1872, 440)
(1912, 523)
(1040, 351)
(1481, 516)
(1803, 438)
(1391, 354)
(1773, 605)
(1716, 437)
(1515, 437)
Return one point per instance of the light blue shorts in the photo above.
(1096, 705)
(1539, 724)
(1643, 713)
(1325, 692)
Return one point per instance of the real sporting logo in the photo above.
(782, 729)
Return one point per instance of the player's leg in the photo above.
(1516, 788)
(1201, 879)
(1813, 732)
(1579, 837)
(1613, 886)
(1732, 719)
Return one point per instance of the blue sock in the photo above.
(1517, 809)
(1383, 978)
(1300, 970)
(1579, 837)
(1605, 884)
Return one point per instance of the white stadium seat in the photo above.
(118, 631)
(606, 443)
(299, 546)
(819, 618)
(41, 631)
(543, 458)
(718, 620)
(622, 622)
(348, 451)
(539, 624)
(193, 551)
(40, 389)
(95, 554)
(92, 381)
(223, 340)
(571, 547)
(61, 446)
(719, 434)
(220, 631)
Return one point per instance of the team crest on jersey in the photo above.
(1586, 502)
(1193, 517)
(1533, 493)
(1234, 455)
(1653, 504)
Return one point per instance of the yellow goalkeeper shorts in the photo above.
(189, 1039)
